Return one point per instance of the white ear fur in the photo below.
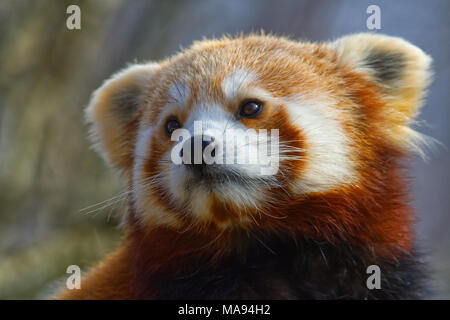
(113, 109)
(403, 72)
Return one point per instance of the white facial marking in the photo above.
(328, 161)
(200, 203)
(147, 207)
(232, 84)
(179, 93)
(141, 152)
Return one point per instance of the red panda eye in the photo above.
(171, 126)
(250, 109)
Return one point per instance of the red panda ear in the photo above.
(401, 69)
(112, 113)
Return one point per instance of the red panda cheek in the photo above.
(293, 146)
(292, 142)
(151, 168)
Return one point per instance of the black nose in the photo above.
(194, 157)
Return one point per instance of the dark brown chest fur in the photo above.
(285, 269)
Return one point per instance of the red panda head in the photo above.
(342, 112)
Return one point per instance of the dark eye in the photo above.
(250, 109)
(171, 126)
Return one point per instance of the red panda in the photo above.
(336, 203)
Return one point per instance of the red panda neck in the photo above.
(377, 217)
(380, 224)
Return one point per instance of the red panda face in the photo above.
(279, 106)
(230, 131)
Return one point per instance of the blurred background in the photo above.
(49, 173)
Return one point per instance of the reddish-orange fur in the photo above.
(372, 212)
